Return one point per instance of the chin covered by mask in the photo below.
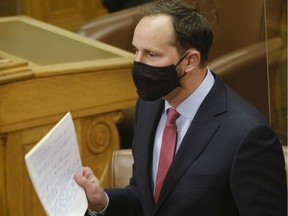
(152, 82)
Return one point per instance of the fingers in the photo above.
(87, 172)
(86, 178)
(94, 192)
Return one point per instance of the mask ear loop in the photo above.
(182, 58)
(180, 62)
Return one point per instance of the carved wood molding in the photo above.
(98, 137)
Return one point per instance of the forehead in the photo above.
(155, 31)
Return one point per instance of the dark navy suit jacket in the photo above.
(230, 162)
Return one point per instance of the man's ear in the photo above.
(193, 60)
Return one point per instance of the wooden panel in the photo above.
(66, 83)
(97, 138)
(19, 187)
(68, 14)
(7, 7)
(46, 99)
(90, 79)
(3, 210)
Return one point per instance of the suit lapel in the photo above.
(150, 118)
(201, 130)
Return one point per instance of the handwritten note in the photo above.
(52, 164)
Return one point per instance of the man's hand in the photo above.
(95, 194)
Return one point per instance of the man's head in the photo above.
(190, 28)
(171, 40)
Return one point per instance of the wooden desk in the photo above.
(45, 72)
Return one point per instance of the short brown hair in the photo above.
(192, 30)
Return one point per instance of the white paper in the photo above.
(52, 164)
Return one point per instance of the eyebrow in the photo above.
(144, 50)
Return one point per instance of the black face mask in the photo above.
(152, 82)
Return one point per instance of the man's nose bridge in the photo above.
(138, 56)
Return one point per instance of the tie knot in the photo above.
(172, 116)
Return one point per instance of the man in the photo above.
(227, 159)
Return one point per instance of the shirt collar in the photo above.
(190, 105)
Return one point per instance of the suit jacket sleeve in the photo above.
(258, 174)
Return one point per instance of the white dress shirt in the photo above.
(187, 110)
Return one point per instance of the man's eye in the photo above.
(151, 54)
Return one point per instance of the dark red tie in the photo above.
(167, 150)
